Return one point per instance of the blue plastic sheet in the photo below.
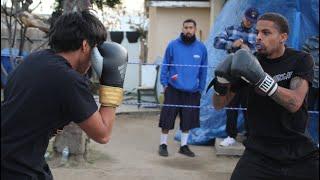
(303, 18)
(9, 60)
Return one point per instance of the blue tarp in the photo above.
(303, 17)
(9, 60)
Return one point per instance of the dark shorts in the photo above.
(254, 166)
(189, 117)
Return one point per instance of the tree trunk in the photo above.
(72, 137)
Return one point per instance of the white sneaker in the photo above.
(228, 141)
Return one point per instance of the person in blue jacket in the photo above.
(183, 77)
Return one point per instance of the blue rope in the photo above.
(188, 106)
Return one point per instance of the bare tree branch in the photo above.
(36, 6)
(10, 25)
(4, 9)
(23, 39)
(14, 34)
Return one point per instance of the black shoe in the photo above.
(163, 150)
(186, 151)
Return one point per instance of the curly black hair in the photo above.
(70, 29)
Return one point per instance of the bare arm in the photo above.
(99, 125)
(220, 102)
(292, 98)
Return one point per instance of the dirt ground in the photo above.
(132, 155)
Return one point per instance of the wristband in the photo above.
(110, 96)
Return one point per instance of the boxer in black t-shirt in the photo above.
(49, 90)
(278, 146)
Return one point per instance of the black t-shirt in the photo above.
(273, 130)
(44, 93)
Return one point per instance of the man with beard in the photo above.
(182, 85)
(278, 77)
(231, 40)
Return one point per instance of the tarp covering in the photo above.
(303, 18)
(10, 59)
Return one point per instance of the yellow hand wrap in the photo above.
(110, 96)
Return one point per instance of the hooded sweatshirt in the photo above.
(185, 78)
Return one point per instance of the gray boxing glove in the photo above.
(223, 76)
(246, 66)
(109, 60)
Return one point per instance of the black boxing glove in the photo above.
(109, 60)
(223, 77)
(247, 67)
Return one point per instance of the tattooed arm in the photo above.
(292, 98)
(221, 101)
